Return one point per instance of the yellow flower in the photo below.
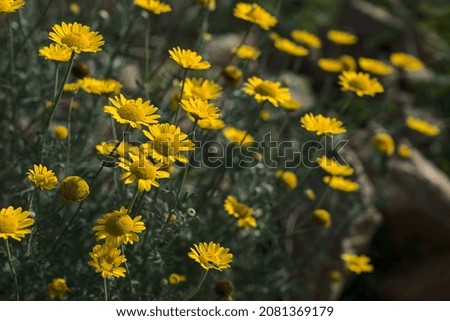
(42, 178)
(119, 228)
(236, 136)
(407, 62)
(142, 171)
(322, 125)
(211, 256)
(211, 124)
(374, 66)
(289, 47)
(247, 52)
(341, 37)
(200, 109)
(322, 217)
(332, 167)
(188, 59)
(74, 189)
(255, 14)
(242, 212)
(56, 52)
(357, 263)
(61, 132)
(133, 112)
(264, 115)
(341, 184)
(77, 37)
(291, 105)
(106, 259)
(154, 6)
(57, 288)
(309, 193)
(106, 148)
(167, 142)
(268, 90)
(71, 86)
(384, 144)
(404, 151)
(210, 4)
(201, 88)
(288, 178)
(348, 62)
(306, 38)
(360, 83)
(100, 86)
(422, 126)
(74, 8)
(14, 223)
(232, 74)
(175, 278)
(330, 65)
(7, 6)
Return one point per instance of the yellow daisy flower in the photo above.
(8, 6)
(211, 256)
(309, 193)
(341, 37)
(154, 6)
(14, 223)
(322, 125)
(133, 112)
(236, 136)
(322, 217)
(422, 126)
(77, 37)
(74, 189)
(56, 52)
(332, 167)
(106, 148)
(211, 124)
(119, 228)
(175, 278)
(384, 144)
(167, 142)
(199, 109)
(57, 288)
(357, 263)
(100, 86)
(188, 59)
(360, 83)
(242, 212)
(330, 65)
(266, 90)
(247, 52)
(106, 259)
(74, 8)
(61, 132)
(210, 4)
(142, 171)
(404, 151)
(42, 178)
(288, 178)
(201, 88)
(405, 61)
(341, 184)
(289, 47)
(264, 115)
(374, 66)
(255, 14)
(306, 38)
(348, 62)
(71, 87)
(232, 74)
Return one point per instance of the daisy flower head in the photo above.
(247, 52)
(167, 143)
(188, 59)
(374, 66)
(211, 256)
(133, 112)
(56, 52)
(74, 189)
(175, 278)
(289, 47)
(406, 62)
(61, 132)
(348, 62)
(107, 260)
(341, 184)
(142, 171)
(332, 167)
(232, 74)
(288, 178)
(330, 65)
(100, 86)
(384, 144)
(322, 125)
(340, 37)
(404, 151)
(237, 136)
(423, 127)
(57, 288)
(201, 88)
(200, 109)
(14, 223)
(242, 212)
(211, 124)
(322, 218)
(266, 90)
(119, 228)
(357, 263)
(77, 37)
(42, 178)
(8, 6)
(360, 83)
(255, 14)
(306, 38)
(106, 149)
(154, 6)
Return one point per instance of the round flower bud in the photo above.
(80, 70)
(232, 74)
(74, 189)
(61, 132)
(224, 289)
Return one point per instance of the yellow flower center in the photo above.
(131, 112)
(210, 260)
(359, 84)
(106, 263)
(266, 89)
(5, 5)
(164, 144)
(143, 170)
(119, 225)
(40, 179)
(76, 40)
(8, 224)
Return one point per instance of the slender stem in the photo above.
(105, 289)
(252, 123)
(199, 285)
(233, 54)
(11, 49)
(130, 207)
(30, 202)
(146, 55)
(130, 280)
(323, 197)
(37, 23)
(69, 136)
(13, 270)
(345, 105)
(181, 95)
(203, 29)
(33, 229)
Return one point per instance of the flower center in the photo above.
(40, 179)
(266, 89)
(119, 225)
(164, 144)
(5, 5)
(358, 84)
(210, 260)
(131, 112)
(8, 224)
(76, 40)
(143, 170)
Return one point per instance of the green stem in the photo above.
(105, 289)
(252, 123)
(130, 207)
(30, 202)
(181, 95)
(13, 270)
(345, 105)
(130, 281)
(203, 29)
(199, 285)
(146, 55)
(69, 135)
(323, 197)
